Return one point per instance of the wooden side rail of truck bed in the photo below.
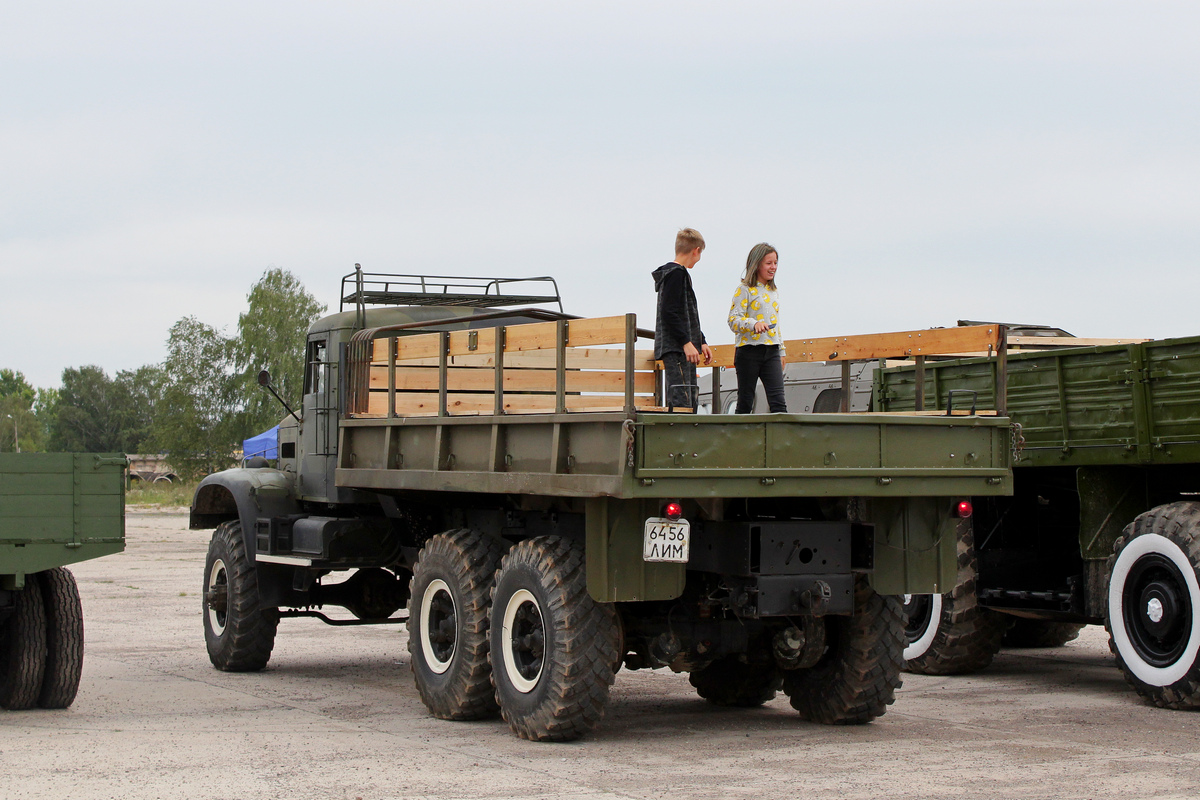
(581, 365)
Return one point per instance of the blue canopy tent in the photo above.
(265, 444)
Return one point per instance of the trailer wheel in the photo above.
(448, 624)
(64, 638)
(729, 681)
(951, 634)
(238, 634)
(1041, 633)
(23, 649)
(857, 677)
(1153, 615)
(553, 646)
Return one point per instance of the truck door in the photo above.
(319, 436)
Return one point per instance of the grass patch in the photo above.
(178, 493)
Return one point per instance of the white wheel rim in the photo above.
(214, 617)
(1148, 673)
(519, 681)
(427, 648)
(919, 647)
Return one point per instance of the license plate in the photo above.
(666, 540)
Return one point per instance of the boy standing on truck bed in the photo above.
(678, 341)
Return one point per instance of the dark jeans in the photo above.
(754, 362)
(680, 388)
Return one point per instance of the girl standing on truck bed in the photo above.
(754, 319)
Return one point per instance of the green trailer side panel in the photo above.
(1116, 405)
(615, 569)
(916, 544)
(58, 509)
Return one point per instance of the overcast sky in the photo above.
(914, 162)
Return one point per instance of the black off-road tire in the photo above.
(553, 646)
(857, 677)
(1041, 633)
(238, 633)
(1153, 615)
(448, 624)
(64, 638)
(23, 649)
(730, 681)
(960, 636)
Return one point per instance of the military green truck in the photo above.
(509, 474)
(55, 509)
(1104, 524)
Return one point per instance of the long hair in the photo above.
(754, 261)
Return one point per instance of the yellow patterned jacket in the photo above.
(751, 305)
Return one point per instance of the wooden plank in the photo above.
(869, 346)
(1066, 341)
(462, 379)
(425, 404)
(577, 358)
(530, 336)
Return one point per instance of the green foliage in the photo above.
(271, 336)
(93, 413)
(18, 421)
(199, 402)
(13, 384)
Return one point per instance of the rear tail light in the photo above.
(673, 511)
(964, 509)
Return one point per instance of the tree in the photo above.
(271, 336)
(18, 422)
(198, 406)
(87, 415)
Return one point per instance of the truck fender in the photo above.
(246, 495)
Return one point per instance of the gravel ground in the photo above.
(336, 715)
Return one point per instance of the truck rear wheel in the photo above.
(857, 677)
(1041, 633)
(23, 648)
(951, 634)
(730, 681)
(238, 633)
(1153, 615)
(448, 624)
(553, 646)
(64, 638)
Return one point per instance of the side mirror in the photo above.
(264, 378)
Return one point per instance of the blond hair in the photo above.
(753, 261)
(687, 240)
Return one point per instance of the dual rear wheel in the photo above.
(41, 643)
(512, 632)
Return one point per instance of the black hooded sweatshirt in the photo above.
(678, 319)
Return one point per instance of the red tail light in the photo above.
(964, 509)
(673, 511)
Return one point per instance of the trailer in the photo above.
(55, 509)
(511, 477)
(1104, 523)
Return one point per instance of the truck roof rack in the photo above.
(361, 289)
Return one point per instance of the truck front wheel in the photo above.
(857, 677)
(23, 648)
(1153, 615)
(553, 646)
(448, 624)
(238, 633)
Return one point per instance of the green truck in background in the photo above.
(511, 477)
(55, 509)
(1103, 526)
